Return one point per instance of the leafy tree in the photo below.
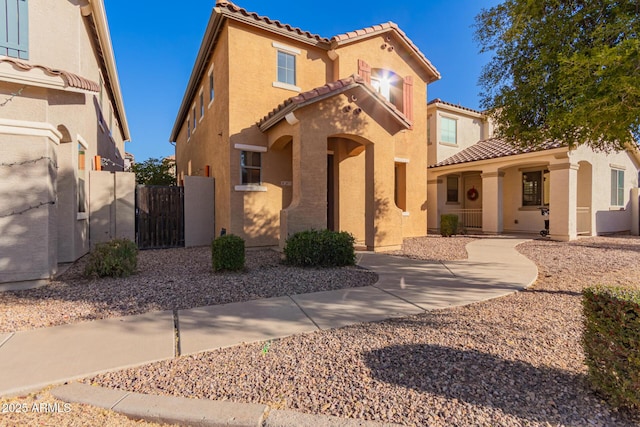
(155, 171)
(566, 70)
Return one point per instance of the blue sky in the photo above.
(156, 43)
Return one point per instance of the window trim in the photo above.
(619, 190)
(440, 128)
(543, 171)
(211, 87)
(293, 52)
(245, 186)
(201, 100)
(81, 215)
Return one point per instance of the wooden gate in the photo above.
(159, 216)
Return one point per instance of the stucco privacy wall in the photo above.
(199, 220)
(27, 200)
(111, 206)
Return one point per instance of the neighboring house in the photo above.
(62, 120)
(301, 131)
(496, 188)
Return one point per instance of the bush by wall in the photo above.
(320, 248)
(227, 253)
(611, 342)
(448, 225)
(116, 258)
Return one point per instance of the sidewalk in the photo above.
(31, 360)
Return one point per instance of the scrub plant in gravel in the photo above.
(116, 258)
(227, 253)
(320, 248)
(611, 342)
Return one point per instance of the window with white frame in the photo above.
(195, 120)
(188, 128)
(535, 188)
(201, 105)
(82, 191)
(211, 92)
(286, 68)
(251, 167)
(448, 130)
(617, 187)
(14, 28)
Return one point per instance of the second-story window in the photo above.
(201, 105)
(211, 86)
(14, 28)
(286, 68)
(448, 130)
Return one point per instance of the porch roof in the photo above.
(492, 148)
(327, 91)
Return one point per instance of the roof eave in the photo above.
(208, 42)
(99, 17)
(481, 162)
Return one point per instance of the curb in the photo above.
(197, 412)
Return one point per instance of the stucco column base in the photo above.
(492, 222)
(563, 201)
(301, 218)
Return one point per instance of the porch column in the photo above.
(563, 201)
(492, 202)
(308, 208)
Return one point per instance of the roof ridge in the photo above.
(451, 104)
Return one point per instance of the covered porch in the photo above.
(508, 194)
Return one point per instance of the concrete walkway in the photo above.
(31, 360)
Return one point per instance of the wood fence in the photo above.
(159, 216)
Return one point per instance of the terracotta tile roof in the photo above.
(70, 79)
(323, 92)
(492, 148)
(440, 101)
(232, 10)
(380, 29)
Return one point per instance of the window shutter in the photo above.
(364, 71)
(14, 28)
(407, 93)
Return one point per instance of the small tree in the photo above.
(154, 171)
(563, 71)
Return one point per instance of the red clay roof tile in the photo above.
(70, 79)
(492, 148)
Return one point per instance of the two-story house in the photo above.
(496, 188)
(301, 131)
(61, 118)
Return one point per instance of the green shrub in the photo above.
(611, 342)
(448, 225)
(325, 248)
(116, 258)
(227, 253)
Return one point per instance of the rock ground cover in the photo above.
(512, 361)
(170, 279)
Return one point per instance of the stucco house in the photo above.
(62, 131)
(301, 131)
(496, 188)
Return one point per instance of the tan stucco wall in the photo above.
(294, 181)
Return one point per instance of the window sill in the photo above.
(616, 208)
(405, 213)
(251, 187)
(287, 86)
(448, 144)
(82, 216)
(210, 104)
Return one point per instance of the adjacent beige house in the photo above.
(496, 188)
(301, 131)
(62, 120)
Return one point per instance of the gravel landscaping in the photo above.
(512, 361)
(170, 279)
